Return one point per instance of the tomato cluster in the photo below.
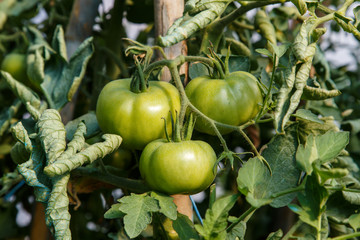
(176, 167)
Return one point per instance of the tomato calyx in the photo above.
(221, 69)
(180, 133)
(138, 82)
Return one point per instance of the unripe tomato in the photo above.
(121, 159)
(233, 100)
(136, 117)
(15, 64)
(185, 167)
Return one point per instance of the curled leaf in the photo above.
(20, 133)
(57, 211)
(301, 48)
(51, 134)
(7, 115)
(283, 98)
(312, 93)
(88, 155)
(32, 171)
(199, 14)
(24, 93)
(267, 30)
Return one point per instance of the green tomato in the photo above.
(137, 117)
(186, 167)
(15, 64)
(121, 159)
(233, 100)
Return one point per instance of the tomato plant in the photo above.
(281, 114)
(234, 100)
(137, 117)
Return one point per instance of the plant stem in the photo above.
(177, 61)
(347, 236)
(126, 183)
(342, 10)
(292, 230)
(269, 90)
(248, 212)
(161, 50)
(175, 74)
(249, 141)
(288, 191)
(318, 229)
(325, 9)
(343, 189)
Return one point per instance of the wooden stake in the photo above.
(166, 12)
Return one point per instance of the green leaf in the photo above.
(32, 171)
(202, 14)
(264, 51)
(48, 65)
(307, 127)
(88, 155)
(185, 228)
(251, 179)
(320, 149)
(167, 206)
(325, 109)
(215, 221)
(92, 126)
(24, 93)
(62, 79)
(281, 49)
(352, 197)
(22, 6)
(254, 179)
(52, 134)
(58, 42)
(57, 214)
(114, 212)
(7, 114)
(300, 5)
(237, 232)
(354, 127)
(238, 63)
(356, 12)
(312, 202)
(337, 207)
(307, 115)
(354, 221)
(345, 162)
(138, 209)
(197, 70)
(326, 174)
(35, 65)
(275, 235)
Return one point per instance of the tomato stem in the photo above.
(269, 90)
(166, 132)
(121, 182)
(138, 83)
(243, 217)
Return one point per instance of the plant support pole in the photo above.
(165, 13)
